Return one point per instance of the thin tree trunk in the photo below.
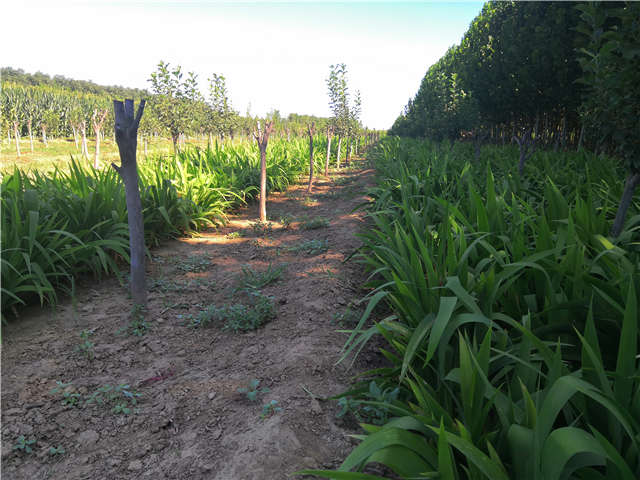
(326, 164)
(126, 128)
(633, 180)
(263, 184)
(96, 157)
(580, 138)
(83, 131)
(75, 135)
(16, 136)
(338, 154)
(262, 137)
(44, 135)
(30, 134)
(311, 130)
(145, 146)
(9, 135)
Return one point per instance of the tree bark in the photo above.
(126, 130)
(75, 135)
(311, 129)
(338, 154)
(98, 120)
(326, 163)
(174, 139)
(633, 180)
(30, 134)
(527, 148)
(262, 137)
(83, 130)
(581, 138)
(16, 136)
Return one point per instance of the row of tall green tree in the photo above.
(543, 75)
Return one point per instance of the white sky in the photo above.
(273, 54)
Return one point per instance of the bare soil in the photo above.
(191, 422)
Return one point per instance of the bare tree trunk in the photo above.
(581, 138)
(338, 154)
(326, 163)
(357, 138)
(262, 137)
(633, 180)
(30, 134)
(126, 129)
(9, 135)
(44, 135)
(311, 129)
(145, 145)
(75, 135)
(96, 157)
(174, 139)
(98, 120)
(83, 131)
(16, 136)
(527, 148)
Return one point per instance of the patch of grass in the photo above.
(344, 180)
(255, 280)
(314, 223)
(263, 229)
(252, 391)
(194, 264)
(59, 450)
(309, 201)
(286, 220)
(310, 247)
(69, 396)
(238, 317)
(86, 347)
(270, 409)
(348, 318)
(232, 235)
(24, 445)
(121, 397)
(137, 326)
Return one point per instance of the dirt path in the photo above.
(191, 422)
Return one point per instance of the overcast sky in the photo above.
(275, 55)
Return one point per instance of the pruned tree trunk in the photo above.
(83, 131)
(632, 182)
(581, 138)
(338, 154)
(174, 139)
(262, 137)
(126, 130)
(526, 144)
(75, 135)
(311, 130)
(30, 134)
(326, 163)
(97, 120)
(16, 136)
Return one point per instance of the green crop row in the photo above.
(72, 220)
(512, 330)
